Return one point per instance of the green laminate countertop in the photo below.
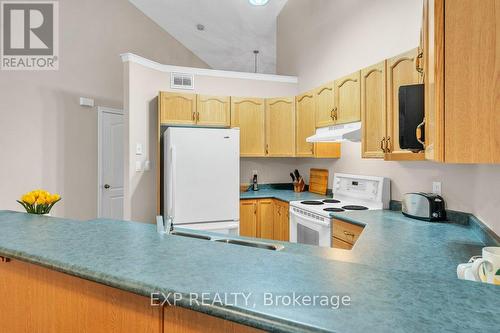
(398, 277)
(283, 195)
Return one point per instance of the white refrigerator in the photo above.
(201, 178)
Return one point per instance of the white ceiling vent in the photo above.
(181, 81)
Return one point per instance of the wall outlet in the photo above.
(436, 188)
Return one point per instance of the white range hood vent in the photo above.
(337, 133)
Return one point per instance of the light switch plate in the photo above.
(138, 166)
(138, 149)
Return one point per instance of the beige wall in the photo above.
(142, 85)
(46, 139)
(319, 40)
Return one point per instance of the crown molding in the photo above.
(130, 57)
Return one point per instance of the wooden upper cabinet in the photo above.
(373, 110)
(471, 81)
(177, 108)
(347, 99)
(433, 61)
(306, 123)
(249, 115)
(401, 70)
(213, 111)
(325, 105)
(280, 127)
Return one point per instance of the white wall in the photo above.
(319, 40)
(142, 85)
(46, 139)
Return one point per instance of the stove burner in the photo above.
(331, 201)
(311, 202)
(336, 210)
(355, 207)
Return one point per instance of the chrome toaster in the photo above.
(424, 206)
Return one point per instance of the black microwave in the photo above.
(411, 116)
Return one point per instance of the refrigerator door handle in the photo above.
(172, 185)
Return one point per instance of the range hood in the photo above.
(337, 133)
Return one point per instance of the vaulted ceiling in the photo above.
(232, 30)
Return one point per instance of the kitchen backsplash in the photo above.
(464, 187)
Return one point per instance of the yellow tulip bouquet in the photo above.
(39, 201)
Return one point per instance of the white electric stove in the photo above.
(310, 221)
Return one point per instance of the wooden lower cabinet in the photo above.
(345, 234)
(264, 218)
(281, 221)
(179, 320)
(38, 299)
(248, 218)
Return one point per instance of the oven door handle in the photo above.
(314, 221)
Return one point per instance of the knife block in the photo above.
(299, 186)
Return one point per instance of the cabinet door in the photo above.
(347, 99)
(248, 218)
(472, 81)
(432, 34)
(306, 123)
(37, 299)
(177, 108)
(280, 127)
(213, 111)
(249, 115)
(401, 70)
(265, 223)
(373, 110)
(281, 221)
(325, 105)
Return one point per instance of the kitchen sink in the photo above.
(259, 245)
(186, 234)
(273, 247)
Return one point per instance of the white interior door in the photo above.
(111, 165)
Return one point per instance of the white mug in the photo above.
(487, 268)
(464, 271)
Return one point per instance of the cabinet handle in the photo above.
(335, 114)
(420, 133)
(197, 116)
(418, 61)
(267, 149)
(388, 145)
(4, 259)
(332, 114)
(194, 116)
(382, 145)
(255, 209)
(350, 234)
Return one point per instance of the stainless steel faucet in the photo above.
(164, 226)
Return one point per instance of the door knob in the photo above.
(106, 186)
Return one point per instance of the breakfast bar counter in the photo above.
(382, 295)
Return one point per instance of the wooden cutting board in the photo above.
(318, 181)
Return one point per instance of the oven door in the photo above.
(307, 230)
